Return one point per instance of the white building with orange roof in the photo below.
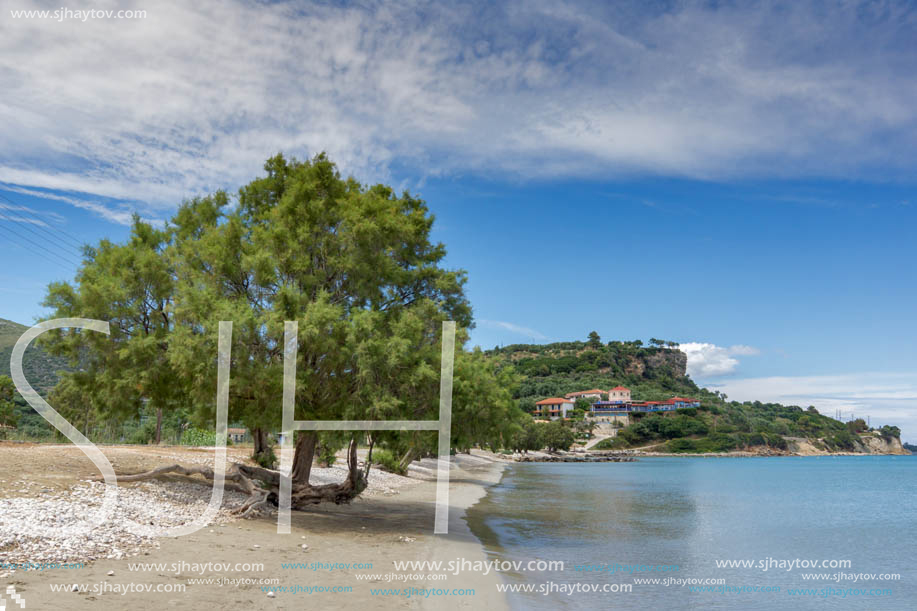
(556, 407)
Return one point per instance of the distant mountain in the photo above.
(41, 369)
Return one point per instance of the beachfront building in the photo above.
(595, 393)
(555, 407)
(619, 394)
(603, 408)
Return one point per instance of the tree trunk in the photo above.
(408, 458)
(158, 436)
(302, 457)
(242, 477)
(262, 447)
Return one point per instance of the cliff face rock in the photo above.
(664, 362)
(876, 444)
(868, 443)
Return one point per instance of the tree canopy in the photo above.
(354, 265)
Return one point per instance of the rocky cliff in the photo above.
(867, 443)
(657, 364)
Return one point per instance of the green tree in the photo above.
(594, 340)
(527, 438)
(354, 265)
(555, 436)
(132, 287)
(7, 407)
(889, 432)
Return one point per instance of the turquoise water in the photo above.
(690, 513)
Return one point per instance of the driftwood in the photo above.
(263, 485)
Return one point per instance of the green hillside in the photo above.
(40, 367)
(552, 370)
(657, 372)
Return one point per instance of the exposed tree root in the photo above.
(263, 485)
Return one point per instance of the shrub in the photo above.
(387, 462)
(682, 445)
(143, 434)
(326, 455)
(267, 459)
(844, 440)
(198, 437)
(613, 443)
(890, 432)
(718, 442)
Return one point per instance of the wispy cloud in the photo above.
(142, 111)
(121, 214)
(513, 328)
(25, 214)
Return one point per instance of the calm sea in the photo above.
(675, 518)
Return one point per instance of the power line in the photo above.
(27, 212)
(25, 225)
(54, 255)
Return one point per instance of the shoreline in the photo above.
(351, 548)
(473, 483)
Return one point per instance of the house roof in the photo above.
(594, 391)
(620, 388)
(552, 401)
(236, 431)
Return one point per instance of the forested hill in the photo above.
(551, 370)
(657, 372)
(40, 367)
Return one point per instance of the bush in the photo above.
(387, 462)
(843, 440)
(857, 426)
(326, 455)
(143, 434)
(718, 442)
(679, 446)
(198, 437)
(613, 443)
(267, 459)
(890, 432)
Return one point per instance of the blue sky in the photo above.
(738, 178)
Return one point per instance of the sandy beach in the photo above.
(348, 559)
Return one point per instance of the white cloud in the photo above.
(121, 215)
(710, 360)
(887, 398)
(513, 328)
(197, 95)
